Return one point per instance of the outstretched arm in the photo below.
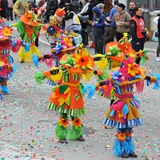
(102, 83)
(56, 74)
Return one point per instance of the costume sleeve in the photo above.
(102, 83)
(54, 71)
(16, 6)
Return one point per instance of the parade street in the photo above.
(27, 127)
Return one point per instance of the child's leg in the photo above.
(76, 132)
(36, 42)
(62, 128)
(123, 146)
(4, 87)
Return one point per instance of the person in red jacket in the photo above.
(138, 32)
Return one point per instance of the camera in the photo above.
(146, 35)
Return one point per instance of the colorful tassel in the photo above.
(61, 132)
(35, 60)
(75, 133)
(39, 77)
(91, 89)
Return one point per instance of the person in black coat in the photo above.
(109, 32)
(89, 12)
(52, 6)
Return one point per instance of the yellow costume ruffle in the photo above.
(27, 56)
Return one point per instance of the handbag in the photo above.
(157, 34)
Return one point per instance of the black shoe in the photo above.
(133, 155)
(22, 61)
(63, 141)
(81, 139)
(124, 155)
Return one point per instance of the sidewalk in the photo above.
(151, 46)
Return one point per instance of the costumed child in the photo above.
(72, 24)
(38, 12)
(28, 28)
(6, 72)
(115, 53)
(123, 113)
(67, 98)
(53, 29)
(63, 46)
(7, 44)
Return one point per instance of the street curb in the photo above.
(150, 50)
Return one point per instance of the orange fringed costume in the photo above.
(67, 98)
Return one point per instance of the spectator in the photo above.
(113, 11)
(158, 48)
(131, 10)
(122, 21)
(77, 6)
(109, 32)
(33, 8)
(71, 18)
(3, 8)
(14, 1)
(101, 7)
(98, 29)
(21, 6)
(137, 31)
(10, 10)
(51, 8)
(89, 12)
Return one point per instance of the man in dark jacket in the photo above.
(98, 29)
(89, 12)
(131, 10)
(109, 32)
(51, 8)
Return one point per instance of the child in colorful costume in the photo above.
(7, 43)
(28, 28)
(115, 53)
(67, 98)
(53, 29)
(63, 46)
(6, 71)
(123, 113)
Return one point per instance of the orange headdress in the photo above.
(60, 12)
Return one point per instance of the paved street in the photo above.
(27, 126)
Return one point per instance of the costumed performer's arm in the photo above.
(16, 6)
(36, 58)
(56, 73)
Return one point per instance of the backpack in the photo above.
(4, 4)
